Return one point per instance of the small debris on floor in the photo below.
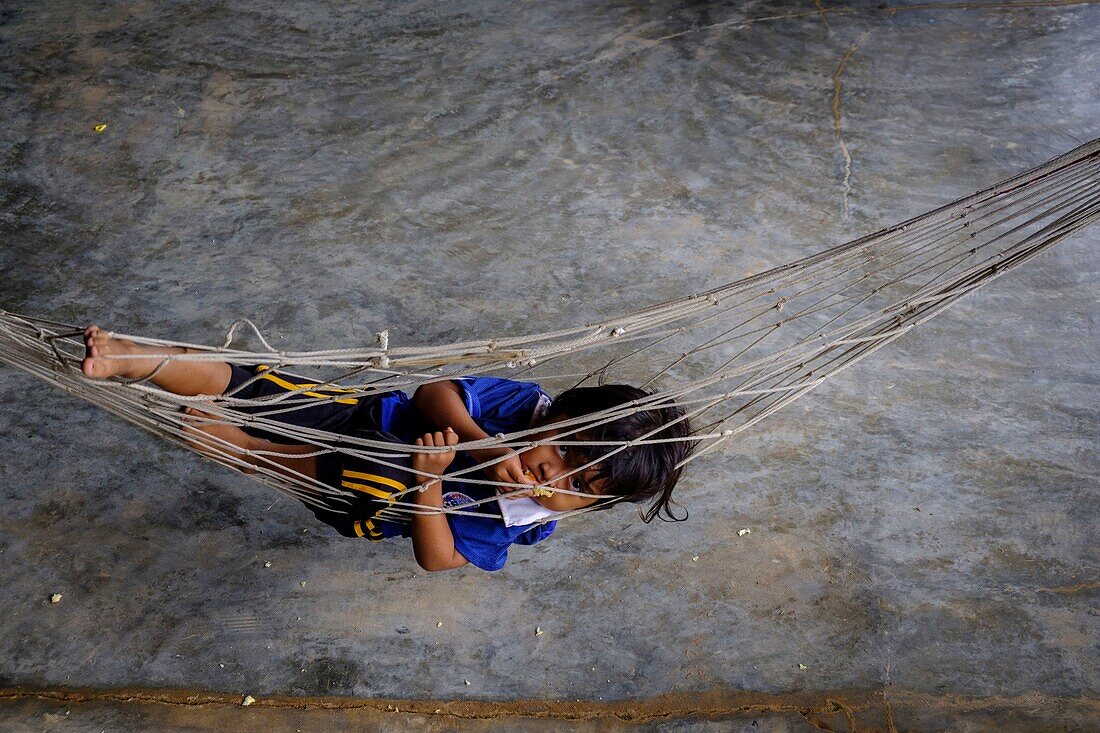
(466, 681)
(695, 558)
(100, 127)
(248, 700)
(302, 583)
(538, 631)
(743, 531)
(802, 666)
(439, 624)
(267, 564)
(55, 598)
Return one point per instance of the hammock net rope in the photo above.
(729, 356)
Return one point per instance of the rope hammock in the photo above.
(730, 356)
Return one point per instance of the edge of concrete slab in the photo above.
(884, 709)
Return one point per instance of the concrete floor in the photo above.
(923, 553)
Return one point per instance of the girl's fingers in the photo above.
(452, 437)
(517, 477)
(513, 475)
(195, 412)
(420, 441)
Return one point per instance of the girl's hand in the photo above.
(426, 464)
(510, 470)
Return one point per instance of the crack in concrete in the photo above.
(847, 182)
(821, 9)
(889, 711)
(890, 725)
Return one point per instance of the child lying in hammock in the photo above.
(441, 414)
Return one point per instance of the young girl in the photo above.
(439, 415)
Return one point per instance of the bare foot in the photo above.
(99, 345)
(155, 363)
(207, 438)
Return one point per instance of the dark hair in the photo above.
(640, 473)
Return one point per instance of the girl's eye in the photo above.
(563, 449)
(576, 485)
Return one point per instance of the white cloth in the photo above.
(523, 511)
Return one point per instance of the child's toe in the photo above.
(95, 367)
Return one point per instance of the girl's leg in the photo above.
(209, 436)
(179, 377)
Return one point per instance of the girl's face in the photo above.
(548, 464)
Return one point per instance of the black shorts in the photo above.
(366, 485)
(321, 409)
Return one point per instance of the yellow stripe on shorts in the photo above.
(367, 489)
(383, 480)
(291, 386)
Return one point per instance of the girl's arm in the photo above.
(433, 543)
(441, 404)
(209, 436)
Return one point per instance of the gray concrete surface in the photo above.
(923, 526)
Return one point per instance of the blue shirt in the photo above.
(498, 406)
